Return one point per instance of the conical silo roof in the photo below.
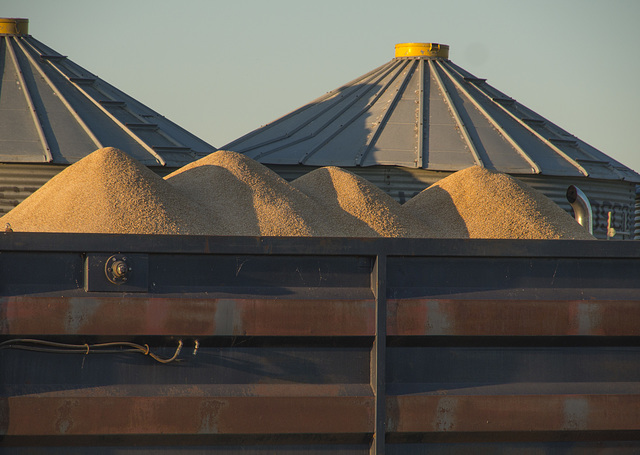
(54, 111)
(421, 110)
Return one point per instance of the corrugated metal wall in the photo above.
(319, 346)
(617, 197)
(637, 232)
(606, 196)
(18, 181)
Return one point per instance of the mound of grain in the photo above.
(359, 206)
(480, 203)
(251, 198)
(109, 192)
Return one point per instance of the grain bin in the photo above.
(420, 117)
(53, 112)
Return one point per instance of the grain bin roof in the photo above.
(421, 110)
(54, 111)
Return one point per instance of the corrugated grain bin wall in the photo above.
(637, 233)
(19, 181)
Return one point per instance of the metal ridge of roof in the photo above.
(54, 111)
(421, 110)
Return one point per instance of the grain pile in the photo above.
(109, 192)
(227, 193)
(361, 208)
(479, 203)
(251, 198)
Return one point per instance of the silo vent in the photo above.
(428, 50)
(14, 26)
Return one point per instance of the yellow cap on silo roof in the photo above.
(422, 50)
(14, 26)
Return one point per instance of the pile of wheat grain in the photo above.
(480, 203)
(359, 207)
(227, 193)
(251, 198)
(109, 192)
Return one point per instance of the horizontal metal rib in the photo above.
(474, 317)
(254, 317)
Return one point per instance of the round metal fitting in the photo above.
(116, 269)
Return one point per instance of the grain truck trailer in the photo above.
(189, 344)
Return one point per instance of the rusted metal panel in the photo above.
(191, 415)
(592, 446)
(513, 413)
(171, 316)
(425, 317)
(321, 345)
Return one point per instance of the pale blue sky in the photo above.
(223, 68)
